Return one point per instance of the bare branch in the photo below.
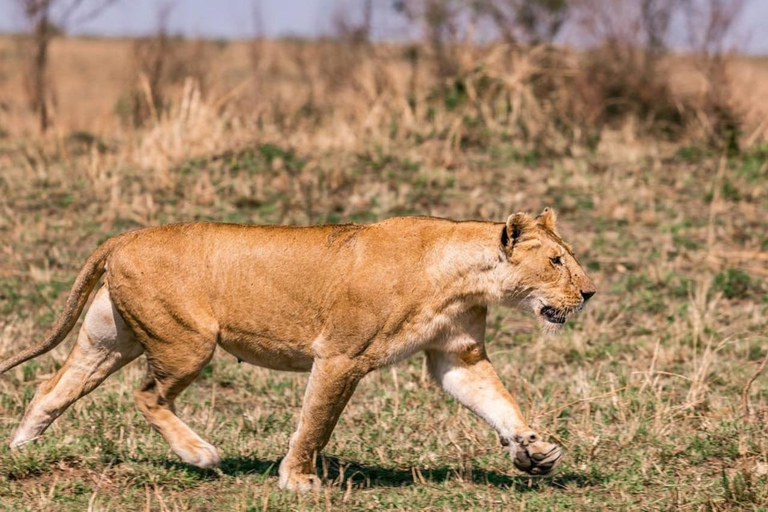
(64, 17)
(95, 12)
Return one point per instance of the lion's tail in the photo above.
(84, 283)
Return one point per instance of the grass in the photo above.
(643, 389)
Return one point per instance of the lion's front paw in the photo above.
(198, 453)
(534, 456)
(293, 480)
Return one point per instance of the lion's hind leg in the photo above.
(167, 377)
(104, 345)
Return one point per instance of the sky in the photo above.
(238, 19)
(210, 18)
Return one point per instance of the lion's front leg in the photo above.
(331, 384)
(468, 376)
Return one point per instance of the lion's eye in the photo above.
(557, 260)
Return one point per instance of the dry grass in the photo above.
(330, 95)
(643, 389)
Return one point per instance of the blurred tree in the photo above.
(655, 18)
(439, 20)
(351, 30)
(711, 23)
(151, 57)
(711, 26)
(526, 21)
(517, 22)
(48, 19)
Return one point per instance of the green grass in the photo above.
(643, 389)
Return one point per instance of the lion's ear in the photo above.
(547, 219)
(516, 225)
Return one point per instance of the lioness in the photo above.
(336, 301)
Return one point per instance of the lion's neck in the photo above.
(469, 267)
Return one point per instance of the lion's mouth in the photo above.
(553, 315)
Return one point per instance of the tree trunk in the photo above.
(38, 73)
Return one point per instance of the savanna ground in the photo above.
(644, 388)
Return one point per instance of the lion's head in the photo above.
(543, 270)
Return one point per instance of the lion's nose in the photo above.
(587, 295)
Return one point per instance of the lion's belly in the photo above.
(268, 353)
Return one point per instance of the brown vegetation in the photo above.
(449, 92)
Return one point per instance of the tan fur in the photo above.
(339, 301)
